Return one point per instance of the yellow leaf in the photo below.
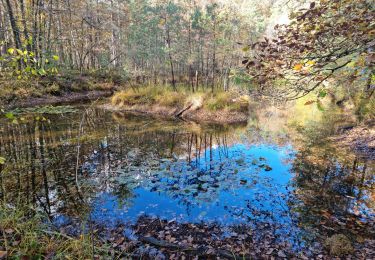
(298, 67)
(2, 160)
(246, 48)
(311, 63)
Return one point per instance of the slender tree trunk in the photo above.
(170, 56)
(24, 24)
(13, 23)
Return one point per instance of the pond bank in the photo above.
(55, 90)
(184, 113)
(154, 238)
(66, 98)
(203, 106)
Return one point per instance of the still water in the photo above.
(112, 168)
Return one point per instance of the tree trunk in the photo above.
(13, 23)
(170, 56)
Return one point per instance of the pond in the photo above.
(112, 168)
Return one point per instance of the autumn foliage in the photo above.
(326, 41)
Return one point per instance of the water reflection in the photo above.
(229, 185)
(130, 165)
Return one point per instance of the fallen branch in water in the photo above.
(179, 114)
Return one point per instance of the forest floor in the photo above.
(152, 238)
(53, 90)
(161, 101)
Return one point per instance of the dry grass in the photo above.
(25, 234)
(149, 96)
(168, 98)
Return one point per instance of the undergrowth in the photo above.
(17, 89)
(25, 234)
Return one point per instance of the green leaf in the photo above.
(2, 160)
(42, 72)
(55, 57)
(11, 50)
(9, 115)
(323, 93)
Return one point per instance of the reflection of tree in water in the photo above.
(41, 156)
(333, 192)
(117, 157)
(41, 159)
(180, 176)
(35, 158)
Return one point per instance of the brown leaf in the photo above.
(120, 240)
(281, 254)
(310, 102)
(3, 254)
(210, 251)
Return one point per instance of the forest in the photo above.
(187, 129)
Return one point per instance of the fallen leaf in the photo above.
(310, 102)
(281, 254)
(9, 231)
(298, 67)
(3, 254)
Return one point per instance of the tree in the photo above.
(187, 42)
(329, 39)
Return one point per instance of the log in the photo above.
(179, 114)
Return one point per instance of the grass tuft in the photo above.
(26, 234)
(168, 98)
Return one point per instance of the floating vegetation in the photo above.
(166, 182)
(51, 110)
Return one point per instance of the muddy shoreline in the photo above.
(196, 115)
(66, 98)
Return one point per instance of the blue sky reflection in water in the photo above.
(131, 165)
(229, 185)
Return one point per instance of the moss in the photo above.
(339, 245)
